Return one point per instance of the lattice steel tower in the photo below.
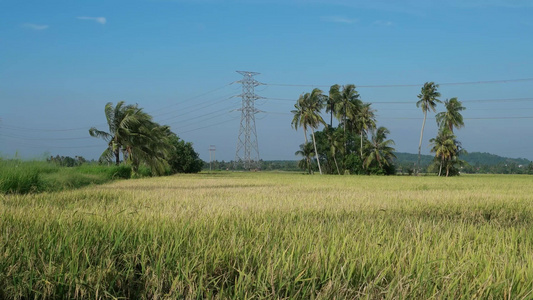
(247, 140)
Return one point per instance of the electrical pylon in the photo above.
(247, 140)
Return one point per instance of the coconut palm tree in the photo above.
(444, 146)
(120, 120)
(333, 99)
(366, 120)
(150, 144)
(306, 151)
(347, 108)
(428, 101)
(379, 148)
(335, 143)
(307, 115)
(452, 116)
(132, 132)
(454, 159)
(298, 113)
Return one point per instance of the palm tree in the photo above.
(132, 132)
(444, 147)
(347, 107)
(452, 116)
(366, 120)
(120, 119)
(335, 141)
(428, 101)
(150, 144)
(331, 104)
(307, 115)
(454, 159)
(306, 151)
(379, 148)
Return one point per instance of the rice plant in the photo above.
(271, 236)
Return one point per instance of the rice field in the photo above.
(272, 236)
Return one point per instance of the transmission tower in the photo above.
(247, 152)
(212, 153)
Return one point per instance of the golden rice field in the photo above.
(272, 236)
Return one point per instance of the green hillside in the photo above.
(473, 158)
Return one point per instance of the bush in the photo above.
(143, 172)
(120, 172)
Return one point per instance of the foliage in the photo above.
(66, 161)
(445, 145)
(183, 158)
(340, 148)
(476, 162)
(265, 165)
(451, 118)
(307, 152)
(133, 133)
(307, 115)
(379, 151)
(271, 236)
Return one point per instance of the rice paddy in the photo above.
(272, 236)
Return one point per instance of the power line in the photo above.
(104, 124)
(197, 109)
(409, 85)
(45, 139)
(207, 126)
(420, 118)
(209, 102)
(199, 118)
(413, 101)
(194, 97)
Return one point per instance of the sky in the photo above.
(62, 61)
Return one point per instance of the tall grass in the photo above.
(24, 177)
(271, 236)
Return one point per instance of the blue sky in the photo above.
(62, 61)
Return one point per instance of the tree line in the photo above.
(135, 139)
(357, 145)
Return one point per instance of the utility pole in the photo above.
(212, 152)
(247, 139)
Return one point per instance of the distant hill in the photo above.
(484, 158)
(472, 158)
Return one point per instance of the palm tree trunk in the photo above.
(362, 148)
(331, 119)
(316, 152)
(447, 169)
(440, 168)
(117, 157)
(420, 144)
(344, 125)
(307, 157)
(336, 165)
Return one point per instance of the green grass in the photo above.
(272, 236)
(24, 177)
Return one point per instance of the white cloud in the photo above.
(338, 19)
(383, 23)
(100, 20)
(35, 26)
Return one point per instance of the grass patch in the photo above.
(22, 177)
